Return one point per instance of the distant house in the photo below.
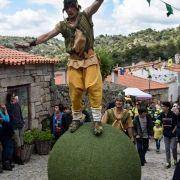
(163, 74)
(157, 90)
(60, 76)
(27, 76)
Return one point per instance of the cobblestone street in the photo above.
(36, 169)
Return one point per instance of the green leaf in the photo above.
(28, 137)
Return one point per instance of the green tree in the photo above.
(106, 62)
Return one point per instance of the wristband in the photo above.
(33, 43)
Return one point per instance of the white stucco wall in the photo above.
(172, 79)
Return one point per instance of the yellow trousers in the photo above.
(82, 79)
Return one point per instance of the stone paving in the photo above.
(155, 167)
(36, 169)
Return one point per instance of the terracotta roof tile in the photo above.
(14, 57)
(175, 68)
(141, 83)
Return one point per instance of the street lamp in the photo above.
(149, 77)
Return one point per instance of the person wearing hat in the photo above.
(119, 117)
(158, 134)
(83, 66)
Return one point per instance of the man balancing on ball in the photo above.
(83, 66)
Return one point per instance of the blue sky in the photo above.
(35, 17)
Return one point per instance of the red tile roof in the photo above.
(14, 57)
(175, 68)
(141, 83)
(141, 64)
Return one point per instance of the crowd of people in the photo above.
(144, 122)
(139, 120)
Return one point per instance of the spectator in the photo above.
(158, 134)
(128, 107)
(17, 122)
(142, 132)
(88, 115)
(61, 121)
(169, 121)
(175, 109)
(6, 133)
(135, 109)
(119, 117)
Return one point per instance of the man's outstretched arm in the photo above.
(47, 36)
(93, 8)
(40, 39)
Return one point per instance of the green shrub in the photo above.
(42, 135)
(35, 133)
(28, 137)
(83, 156)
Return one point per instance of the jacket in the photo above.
(137, 126)
(169, 122)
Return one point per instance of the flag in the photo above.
(169, 9)
(149, 1)
(170, 62)
(122, 71)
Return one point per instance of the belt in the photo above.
(82, 56)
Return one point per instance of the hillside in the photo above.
(143, 45)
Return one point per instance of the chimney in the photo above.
(177, 58)
(114, 76)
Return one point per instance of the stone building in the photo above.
(27, 76)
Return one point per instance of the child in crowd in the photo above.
(158, 134)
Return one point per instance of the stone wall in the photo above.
(37, 78)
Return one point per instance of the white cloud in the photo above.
(4, 3)
(26, 23)
(136, 15)
(119, 18)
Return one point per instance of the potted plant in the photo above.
(43, 141)
(28, 146)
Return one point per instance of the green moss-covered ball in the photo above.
(83, 156)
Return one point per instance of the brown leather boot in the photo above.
(75, 126)
(97, 128)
